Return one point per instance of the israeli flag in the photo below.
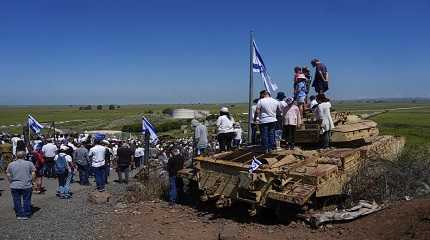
(255, 164)
(146, 125)
(259, 66)
(34, 125)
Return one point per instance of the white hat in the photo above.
(224, 109)
(64, 148)
(314, 103)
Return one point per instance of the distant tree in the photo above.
(88, 107)
(167, 111)
(111, 107)
(118, 106)
(99, 107)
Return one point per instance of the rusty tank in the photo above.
(292, 177)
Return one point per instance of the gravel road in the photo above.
(55, 218)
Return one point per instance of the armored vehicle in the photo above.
(292, 177)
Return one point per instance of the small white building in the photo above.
(189, 113)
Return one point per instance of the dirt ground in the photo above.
(155, 220)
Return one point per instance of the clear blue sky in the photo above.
(88, 52)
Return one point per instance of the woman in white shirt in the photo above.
(225, 129)
(324, 115)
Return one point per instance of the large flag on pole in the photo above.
(146, 125)
(259, 66)
(34, 125)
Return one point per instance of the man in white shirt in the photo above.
(267, 107)
(138, 156)
(49, 151)
(97, 156)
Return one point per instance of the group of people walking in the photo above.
(61, 160)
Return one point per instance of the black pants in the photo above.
(62, 178)
(290, 134)
(254, 133)
(50, 168)
(225, 140)
(326, 139)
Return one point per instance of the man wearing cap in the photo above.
(225, 129)
(49, 151)
(321, 76)
(267, 109)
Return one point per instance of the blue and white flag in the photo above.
(259, 66)
(255, 164)
(34, 125)
(146, 125)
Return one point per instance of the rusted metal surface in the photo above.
(290, 176)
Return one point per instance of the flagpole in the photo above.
(251, 87)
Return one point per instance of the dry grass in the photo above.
(382, 180)
(153, 188)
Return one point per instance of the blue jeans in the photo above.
(268, 135)
(62, 183)
(67, 186)
(22, 202)
(83, 174)
(99, 173)
(172, 189)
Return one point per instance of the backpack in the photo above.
(60, 164)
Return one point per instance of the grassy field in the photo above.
(409, 119)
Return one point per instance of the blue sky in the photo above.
(90, 52)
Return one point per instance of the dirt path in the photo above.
(155, 220)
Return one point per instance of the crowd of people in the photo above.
(281, 117)
(95, 156)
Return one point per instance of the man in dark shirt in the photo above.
(125, 158)
(321, 77)
(175, 163)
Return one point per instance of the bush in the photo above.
(134, 128)
(99, 107)
(111, 107)
(146, 189)
(167, 111)
(88, 107)
(382, 180)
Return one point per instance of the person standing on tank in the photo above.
(321, 78)
(267, 109)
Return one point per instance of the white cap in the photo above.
(224, 109)
(314, 103)
(64, 148)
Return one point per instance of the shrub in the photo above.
(167, 111)
(99, 107)
(382, 180)
(111, 107)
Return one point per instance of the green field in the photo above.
(409, 119)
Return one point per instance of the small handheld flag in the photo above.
(147, 126)
(255, 164)
(259, 66)
(34, 125)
